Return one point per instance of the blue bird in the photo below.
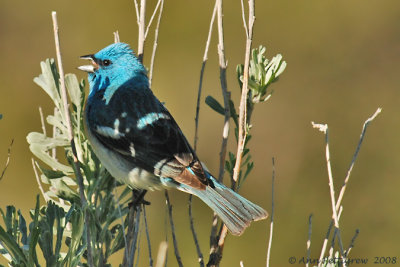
(140, 144)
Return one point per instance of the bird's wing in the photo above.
(134, 124)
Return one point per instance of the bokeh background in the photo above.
(343, 63)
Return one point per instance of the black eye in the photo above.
(106, 62)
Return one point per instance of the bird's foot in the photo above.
(138, 198)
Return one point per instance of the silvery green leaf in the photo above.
(72, 84)
(39, 152)
(281, 68)
(269, 76)
(47, 142)
(44, 179)
(56, 121)
(48, 80)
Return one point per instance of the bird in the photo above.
(140, 144)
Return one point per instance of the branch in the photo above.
(71, 139)
(346, 180)
(226, 95)
(171, 221)
(216, 249)
(42, 121)
(271, 229)
(324, 128)
(162, 254)
(141, 21)
(147, 236)
(152, 17)
(46, 197)
(153, 55)
(196, 128)
(242, 115)
(203, 66)
(245, 91)
(338, 207)
(196, 241)
(309, 239)
(8, 159)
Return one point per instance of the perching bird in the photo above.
(140, 144)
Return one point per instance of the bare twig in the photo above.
(46, 197)
(152, 17)
(309, 239)
(71, 139)
(8, 159)
(271, 229)
(338, 206)
(55, 129)
(324, 128)
(133, 224)
(137, 12)
(147, 236)
(216, 250)
(171, 221)
(225, 93)
(364, 129)
(153, 55)
(42, 121)
(142, 21)
(135, 237)
(244, 19)
(245, 90)
(353, 240)
(162, 254)
(196, 241)
(116, 37)
(203, 66)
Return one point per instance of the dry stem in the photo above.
(153, 55)
(141, 21)
(46, 197)
(271, 229)
(171, 221)
(309, 239)
(162, 254)
(71, 139)
(196, 128)
(216, 249)
(147, 236)
(8, 159)
(245, 90)
(336, 207)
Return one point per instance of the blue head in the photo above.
(114, 66)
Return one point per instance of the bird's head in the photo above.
(114, 65)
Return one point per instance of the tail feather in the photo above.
(234, 210)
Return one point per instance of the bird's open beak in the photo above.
(89, 68)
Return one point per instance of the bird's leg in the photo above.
(138, 198)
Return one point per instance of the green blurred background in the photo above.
(343, 63)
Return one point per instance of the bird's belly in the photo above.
(123, 170)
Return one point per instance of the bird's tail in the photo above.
(234, 210)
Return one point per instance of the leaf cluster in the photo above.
(58, 227)
(262, 73)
